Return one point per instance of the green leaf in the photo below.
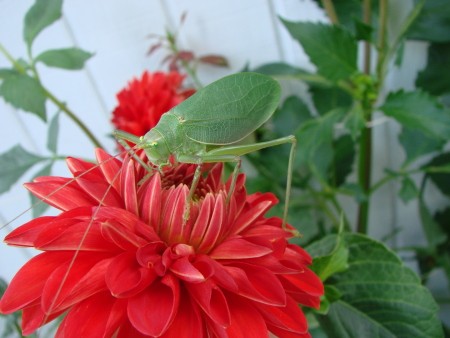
(24, 92)
(326, 99)
(315, 143)
(284, 70)
(349, 12)
(331, 48)
(37, 204)
(333, 261)
(433, 232)
(419, 111)
(432, 78)
(354, 189)
(290, 116)
(13, 164)
(408, 190)
(433, 22)
(344, 156)
(41, 15)
(67, 58)
(440, 179)
(416, 144)
(380, 297)
(53, 132)
(355, 121)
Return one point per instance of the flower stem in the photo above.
(331, 12)
(365, 143)
(50, 96)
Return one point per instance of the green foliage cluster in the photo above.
(369, 291)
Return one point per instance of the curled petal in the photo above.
(212, 300)
(258, 283)
(185, 270)
(211, 268)
(151, 312)
(125, 277)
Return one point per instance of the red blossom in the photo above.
(144, 100)
(119, 261)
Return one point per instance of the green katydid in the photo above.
(208, 126)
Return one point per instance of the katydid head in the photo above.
(155, 148)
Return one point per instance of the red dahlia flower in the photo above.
(118, 260)
(144, 100)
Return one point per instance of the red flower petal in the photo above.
(33, 317)
(79, 278)
(246, 321)
(289, 317)
(68, 234)
(258, 283)
(202, 221)
(239, 248)
(98, 316)
(110, 167)
(186, 271)
(60, 193)
(152, 311)
(214, 228)
(26, 234)
(29, 281)
(188, 322)
(126, 278)
(259, 208)
(212, 300)
(128, 183)
(151, 202)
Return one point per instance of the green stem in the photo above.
(331, 12)
(338, 207)
(383, 58)
(187, 67)
(367, 46)
(50, 96)
(16, 65)
(365, 143)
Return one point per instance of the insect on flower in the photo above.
(208, 125)
(124, 242)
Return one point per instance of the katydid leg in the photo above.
(240, 150)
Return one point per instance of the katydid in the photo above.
(208, 126)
